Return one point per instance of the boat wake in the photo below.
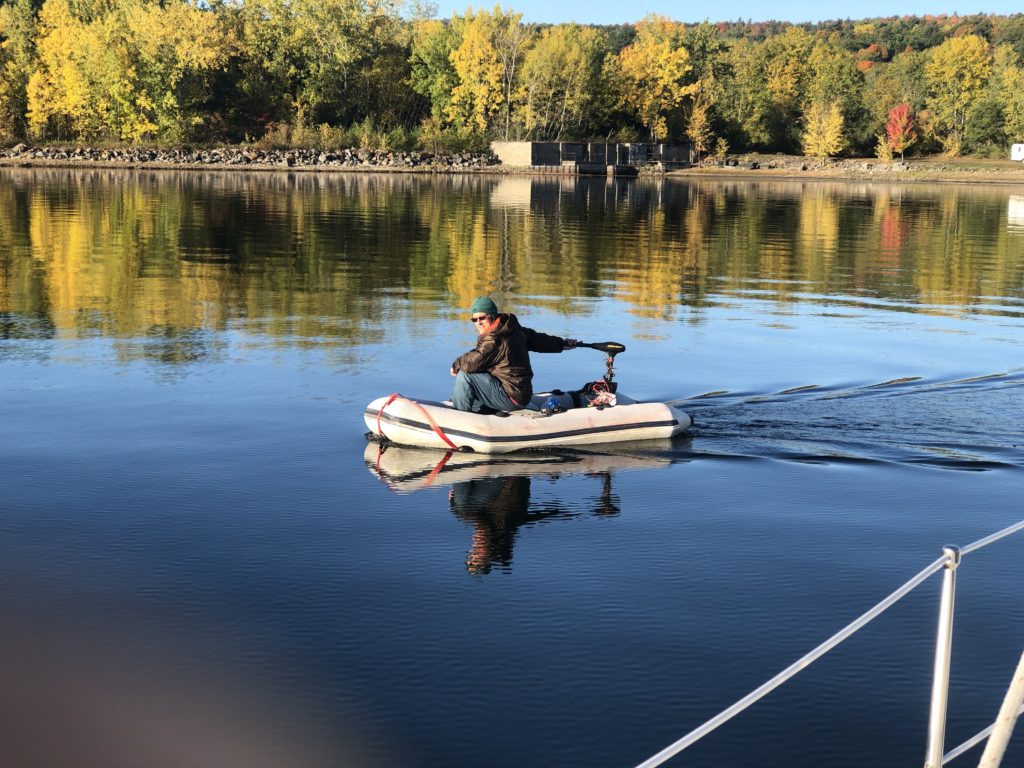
(966, 423)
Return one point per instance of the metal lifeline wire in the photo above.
(792, 669)
(973, 741)
(805, 661)
(992, 539)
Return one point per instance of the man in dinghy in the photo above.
(495, 376)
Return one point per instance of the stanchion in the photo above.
(943, 652)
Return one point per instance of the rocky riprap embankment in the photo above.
(805, 164)
(248, 157)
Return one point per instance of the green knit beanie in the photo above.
(484, 305)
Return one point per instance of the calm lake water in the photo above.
(203, 562)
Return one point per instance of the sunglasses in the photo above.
(479, 318)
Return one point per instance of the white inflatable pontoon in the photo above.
(429, 424)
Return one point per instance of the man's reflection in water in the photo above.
(497, 506)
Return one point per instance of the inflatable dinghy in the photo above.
(427, 424)
(592, 415)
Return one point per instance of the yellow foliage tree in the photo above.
(479, 95)
(823, 130)
(787, 66)
(17, 60)
(307, 52)
(559, 77)
(698, 128)
(59, 90)
(121, 74)
(956, 73)
(511, 41)
(653, 70)
(1011, 89)
(175, 44)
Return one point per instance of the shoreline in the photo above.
(929, 170)
(751, 167)
(922, 177)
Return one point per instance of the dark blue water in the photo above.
(204, 562)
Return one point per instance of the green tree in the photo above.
(1010, 30)
(745, 104)
(766, 88)
(707, 53)
(956, 74)
(308, 53)
(380, 89)
(432, 72)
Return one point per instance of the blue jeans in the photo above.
(478, 392)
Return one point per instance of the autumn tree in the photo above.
(787, 73)
(989, 112)
(479, 93)
(707, 55)
(823, 130)
(899, 130)
(956, 73)
(559, 81)
(653, 73)
(766, 88)
(901, 81)
(130, 69)
(834, 78)
(59, 92)
(698, 127)
(174, 48)
(1011, 87)
(512, 39)
(17, 61)
(302, 58)
(706, 49)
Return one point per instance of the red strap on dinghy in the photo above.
(433, 424)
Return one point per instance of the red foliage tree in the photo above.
(900, 131)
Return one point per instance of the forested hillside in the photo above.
(367, 73)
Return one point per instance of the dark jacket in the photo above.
(504, 353)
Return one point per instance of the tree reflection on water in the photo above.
(309, 256)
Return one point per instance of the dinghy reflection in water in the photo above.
(493, 494)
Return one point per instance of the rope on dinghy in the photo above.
(430, 420)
